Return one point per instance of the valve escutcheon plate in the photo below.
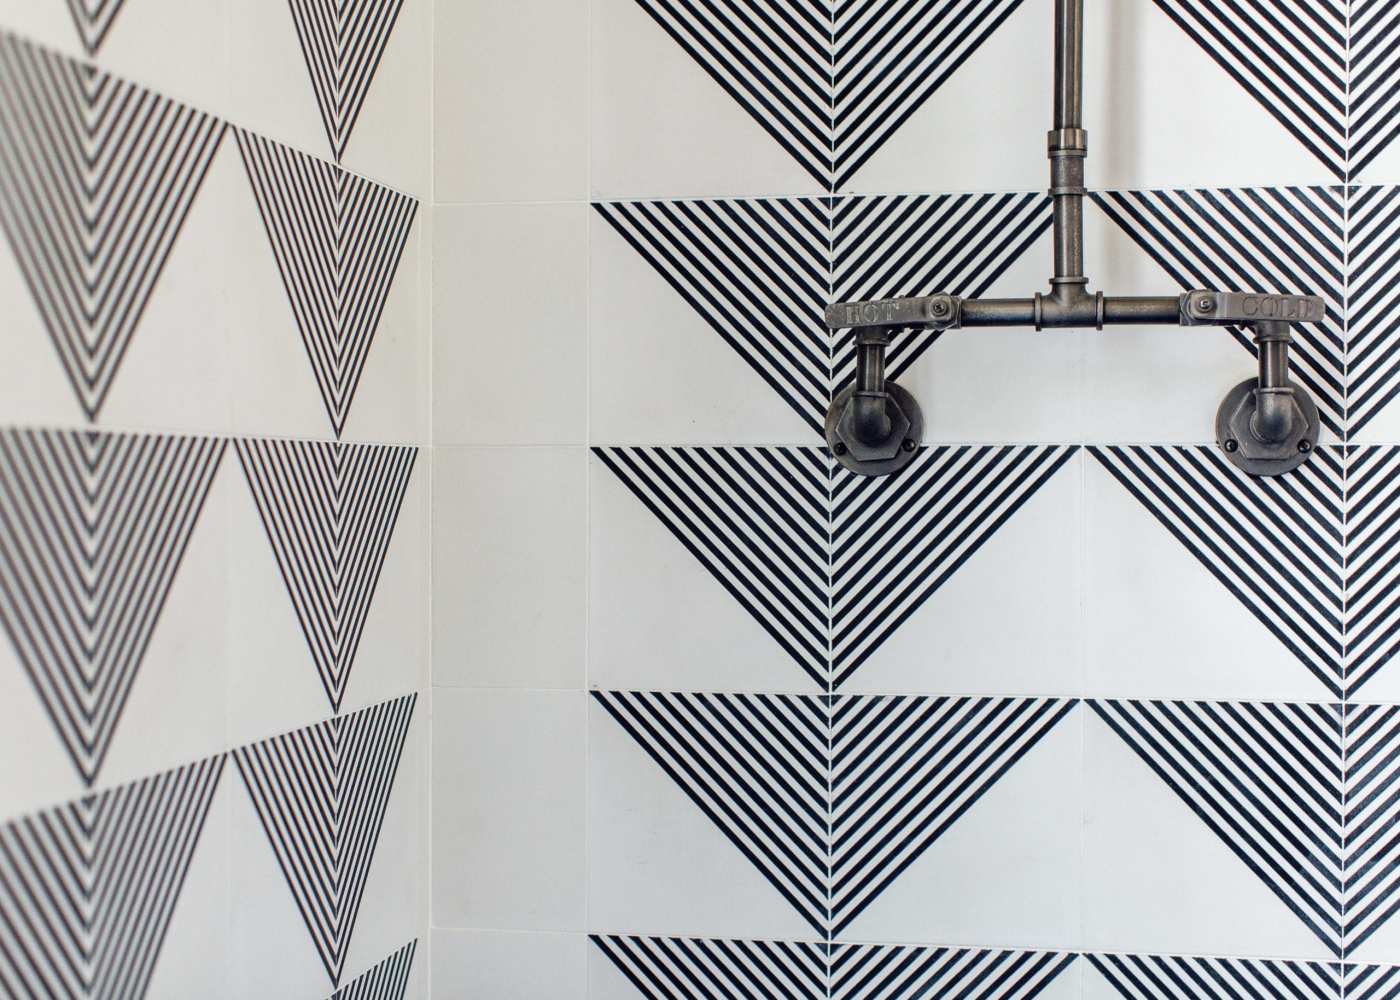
(891, 455)
(1235, 435)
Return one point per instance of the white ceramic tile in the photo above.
(510, 965)
(509, 546)
(511, 101)
(508, 809)
(510, 362)
(678, 135)
(1158, 624)
(658, 372)
(1156, 879)
(1008, 872)
(1008, 621)
(658, 620)
(656, 864)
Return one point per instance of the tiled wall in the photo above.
(1068, 709)
(214, 498)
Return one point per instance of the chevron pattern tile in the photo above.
(343, 44)
(321, 794)
(93, 528)
(93, 19)
(338, 240)
(831, 798)
(97, 177)
(329, 511)
(831, 564)
(88, 889)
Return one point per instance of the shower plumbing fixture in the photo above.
(1266, 425)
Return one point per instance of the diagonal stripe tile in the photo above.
(1373, 810)
(757, 272)
(338, 240)
(1275, 544)
(1255, 239)
(87, 890)
(1373, 302)
(93, 528)
(907, 245)
(329, 511)
(905, 769)
(757, 519)
(897, 539)
(756, 766)
(1374, 62)
(93, 19)
(321, 794)
(1373, 567)
(709, 968)
(1372, 982)
(773, 59)
(96, 179)
(1291, 58)
(1266, 778)
(386, 981)
(905, 972)
(1174, 977)
(890, 58)
(343, 43)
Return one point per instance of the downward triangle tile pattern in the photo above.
(321, 794)
(1174, 977)
(96, 179)
(338, 240)
(828, 563)
(87, 890)
(386, 981)
(329, 511)
(832, 798)
(343, 43)
(761, 272)
(93, 528)
(93, 19)
(1265, 240)
(816, 75)
(1373, 566)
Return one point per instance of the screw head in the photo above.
(1206, 303)
(840, 448)
(909, 444)
(1231, 445)
(938, 307)
(1305, 446)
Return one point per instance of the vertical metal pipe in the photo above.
(1068, 147)
(1069, 63)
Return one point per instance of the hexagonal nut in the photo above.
(889, 448)
(1250, 446)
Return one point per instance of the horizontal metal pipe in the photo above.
(1117, 311)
